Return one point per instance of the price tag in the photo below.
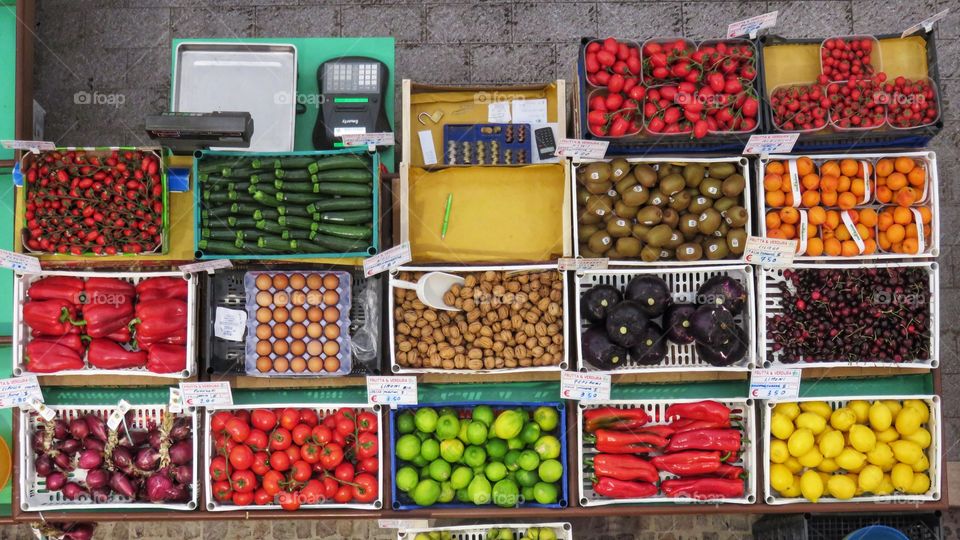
(582, 148)
(529, 111)
(775, 383)
(19, 262)
(391, 390)
(498, 112)
(32, 146)
(774, 143)
(116, 417)
(19, 391)
(206, 394)
(584, 386)
(369, 139)
(750, 27)
(175, 405)
(772, 252)
(570, 263)
(926, 24)
(385, 260)
(403, 524)
(45, 412)
(206, 266)
(230, 324)
(427, 147)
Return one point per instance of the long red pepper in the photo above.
(614, 418)
(688, 463)
(699, 410)
(66, 288)
(623, 489)
(71, 341)
(703, 488)
(44, 357)
(682, 425)
(106, 354)
(731, 472)
(620, 442)
(725, 440)
(624, 467)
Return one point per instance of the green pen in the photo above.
(446, 216)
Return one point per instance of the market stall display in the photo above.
(505, 531)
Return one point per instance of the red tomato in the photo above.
(300, 433)
(309, 417)
(312, 493)
(321, 434)
(271, 482)
(310, 453)
(301, 471)
(330, 487)
(289, 500)
(367, 421)
(330, 421)
(280, 461)
(331, 456)
(367, 445)
(222, 491)
(219, 421)
(366, 489)
(261, 497)
(242, 498)
(344, 494)
(224, 444)
(293, 452)
(370, 465)
(218, 468)
(257, 440)
(344, 472)
(263, 419)
(338, 439)
(238, 429)
(241, 457)
(243, 415)
(261, 463)
(243, 481)
(280, 440)
(289, 418)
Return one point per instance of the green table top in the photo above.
(8, 75)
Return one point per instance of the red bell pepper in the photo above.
(624, 467)
(176, 338)
(106, 354)
(614, 418)
(162, 358)
(725, 440)
(703, 488)
(45, 357)
(101, 320)
(689, 425)
(66, 288)
(622, 442)
(122, 335)
(158, 319)
(71, 341)
(50, 317)
(108, 291)
(688, 463)
(159, 288)
(700, 410)
(623, 489)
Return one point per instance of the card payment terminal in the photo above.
(353, 89)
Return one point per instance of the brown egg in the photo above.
(264, 331)
(330, 314)
(281, 365)
(281, 314)
(297, 348)
(298, 364)
(331, 348)
(330, 297)
(331, 281)
(281, 348)
(264, 347)
(264, 364)
(264, 298)
(281, 298)
(298, 314)
(264, 282)
(331, 364)
(315, 364)
(280, 281)
(281, 331)
(297, 281)
(298, 298)
(314, 348)
(314, 281)
(315, 330)
(315, 314)
(264, 315)
(331, 331)
(314, 298)
(298, 331)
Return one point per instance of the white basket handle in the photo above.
(852, 229)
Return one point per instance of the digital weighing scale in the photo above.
(353, 89)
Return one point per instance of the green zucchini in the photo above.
(294, 174)
(264, 177)
(216, 211)
(242, 222)
(297, 222)
(342, 161)
(345, 175)
(266, 188)
(331, 244)
(277, 243)
(223, 197)
(265, 199)
(212, 180)
(345, 231)
(296, 234)
(255, 249)
(238, 186)
(297, 198)
(266, 213)
(217, 234)
(297, 186)
(345, 188)
(219, 247)
(349, 217)
(270, 226)
(295, 211)
(244, 208)
(210, 166)
(239, 173)
(342, 203)
(296, 162)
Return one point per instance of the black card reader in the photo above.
(353, 89)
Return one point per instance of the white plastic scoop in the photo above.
(431, 287)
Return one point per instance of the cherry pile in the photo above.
(844, 59)
(871, 314)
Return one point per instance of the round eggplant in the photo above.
(652, 347)
(723, 291)
(677, 319)
(727, 353)
(651, 293)
(596, 302)
(599, 351)
(625, 323)
(712, 325)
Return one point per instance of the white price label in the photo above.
(775, 383)
(32, 146)
(926, 24)
(206, 394)
(529, 111)
(582, 148)
(175, 405)
(19, 391)
(403, 524)
(391, 390)
(772, 252)
(498, 112)
(18, 262)
(774, 143)
(427, 147)
(385, 260)
(584, 386)
(230, 324)
(750, 27)
(570, 263)
(369, 139)
(116, 417)
(206, 266)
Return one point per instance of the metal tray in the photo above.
(260, 78)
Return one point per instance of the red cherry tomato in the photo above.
(370, 465)
(366, 489)
(331, 456)
(219, 421)
(293, 452)
(289, 500)
(321, 434)
(289, 418)
(257, 440)
(261, 497)
(330, 487)
(261, 463)
(271, 482)
(222, 491)
(309, 417)
(344, 472)
(310, 453)
(367, 445)
(344, 494)
(280, 440)
(312, 493)
(367, 421)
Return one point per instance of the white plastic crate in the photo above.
(931, 200)
(456, 270)
(35, 498)
(769, 300)
(932, 452)
(479, 532)
(657, 408)
(683, 283)
(747, 197)
(214, 505)
(21, 332)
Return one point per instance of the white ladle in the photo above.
(431, 287)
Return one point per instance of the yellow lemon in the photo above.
(850, 459)
(812, 421)
(778, 451)
(811, 486)
(820, 408)
(843, 418)
(921, 465)
(831, 444)
(861, 408)
(869, 478)
(824, 477)
(789, 409)
(793, 490)
(841, 487)
(921, 406)
(780, 477)
(820, 435)
(921, 436)
(881, 456)
(792, 464)
(888, 435)
(885, 487)
(800, 442)
(901, 476)
(908, 421)
(907, 452)
(828, 465)
(880, 416)
(812, 458)
(781, 427)
(920, 484)
(894, 405)
(862, 438)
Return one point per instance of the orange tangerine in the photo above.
(776, 233)
(868, 216)
(832, 247)
(829, 183)
(896, 181)
(788, 230)
(810, 198)
(849, 248)
(773, 220)
(810, 181)
(884, 194)
(804, 166)
(910, 245)
(833, 219)
(925, 215)
(857, 187)
(789, 215)
(902, 215)
(775, 199)
(830, 168)
(828, 198)
(904, 164)
(916, 177)
(771, 182)
(817, 215)
(775, 167)
(884, 167)
(814, 247)
(896, 233)
(848, 167)
(847, 200)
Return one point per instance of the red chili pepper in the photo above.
(624, 467)
(50, 317)
(106, 354)
(158, 319)
(101, 320)
(688, 463)
(699, 410)
(108, 291)
(163, 358)
(613, 418)
(664, 430)
(620, 442)
(703, 488)
(725, 440)
(623, 489)
(157, 288)
(71, 341)
(689, 425)
(44, 357)
(56, 288)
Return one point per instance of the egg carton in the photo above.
(683, 283)
(479, 532)
(933, 453)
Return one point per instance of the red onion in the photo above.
(69, 446)
(97, 478)
(122, 457)
(43, 465)
(137, 437)
(159, 487)
(93, 443)
(60, 430)
(56, 480)
(155, 439)
(100, 495)
(79, 531)
(79, 428)
(121, 484)
(181, 453)
(89, 459)
(183, 474)
(178, 494)
(73, 490)
(180, 430)
(37, 440)
(147, 459)
(98, 428)
(64, 462)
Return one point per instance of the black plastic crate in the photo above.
(917, 526)
(884, 137)
(224, 288)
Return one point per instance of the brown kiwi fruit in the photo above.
(586, 231)
(722, 170)
(676, 239)
(736, 216)
(709, 221)
(625, 183)
(625, 211)
(629, 247)
(733, 185)
(618, 228)
(600, 242)
(710, 187)
(657, 198)
(600, 205)
(689, 226)
(618, 169)
(672, 184)
(586, 252)
(589, 218)
(659, 235)
(637, 195)
(724, 203)
(598, 171)
(650, 215)
(722, 230)
(667, 254)
(664, 170)
(650, 254)
(640, 231)
(671, 217)
(613, 254)
(716, 248)
(645, 174)
(582, 196)
(689, 252)
(598, 187)
(681, 201)
(737, 241)
(693, 174)
(699, 204)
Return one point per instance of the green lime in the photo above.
(505, 494)
(510, 460)
(447, 493)
(474, 456)
(483, 413)
(430, 449)
(463, 495)
(440, 470)
(499, 534)
(477, 432)
(528, 460)
(546, 417)
(550, 470)
(548, 447)
(461, 477)
(423, 436)
(526, 478)
(462, 434)
(408, 447)
(426, 492)
(524, 414)
(448, 426)
(479, 490)
(419, 461)
(447, 410)
(530, 433)
(508, 425)
(426, 420)
(496, 449)
(424, 472)
(407, 478)
(527, 494)
(451, 450)
(515, 444)
(405, 423)
(545, 493)
(495, 471)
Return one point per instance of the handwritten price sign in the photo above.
(391, 390)
(776, 143)
(775, 384)
(749, 27)
(206, 394)
(584, 386)
(769, 251)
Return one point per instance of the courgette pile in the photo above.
(285, 205)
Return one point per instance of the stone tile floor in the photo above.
(483, 41)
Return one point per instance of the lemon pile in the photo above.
(861, 448)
